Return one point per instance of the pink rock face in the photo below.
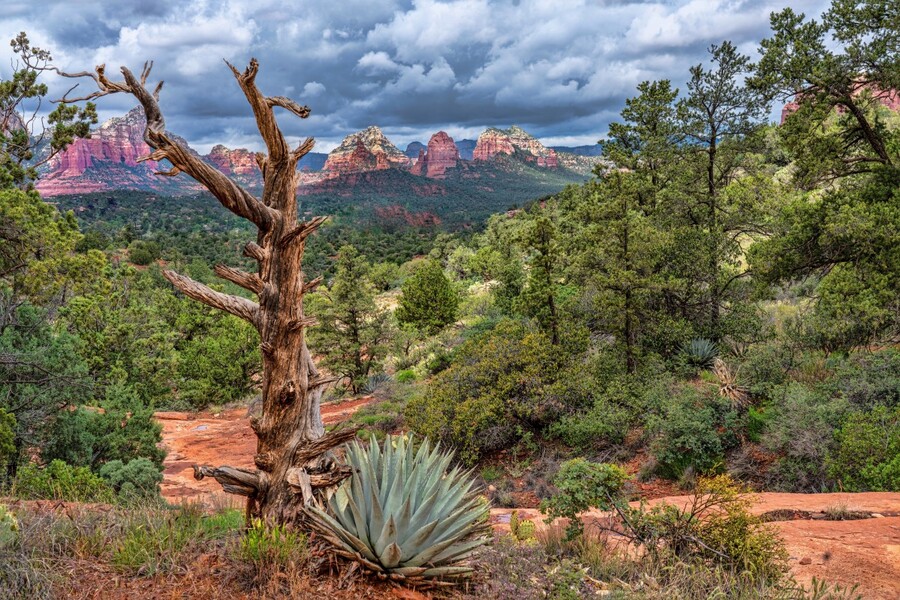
(109, 160)
(493, 142)
(240, 164)
(366, 150)
(442, 155)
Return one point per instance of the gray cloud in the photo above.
(560, 69)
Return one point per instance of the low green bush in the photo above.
(583, 485)
(136, 479)
(867, 456)
(801, 432)
(693, 431)
(60, 481)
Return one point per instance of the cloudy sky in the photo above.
(559, 68)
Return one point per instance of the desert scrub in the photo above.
(274, 546)
(60, 481)
(583, 485)
(716, 528)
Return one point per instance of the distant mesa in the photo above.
(494, 142)
(366, 150)
(108, 160)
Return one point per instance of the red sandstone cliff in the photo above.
(366, 150)
(507, 141)
(441, 155)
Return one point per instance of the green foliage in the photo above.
(20, 95)
(405, 376)
(716, 526)
(699, 353)
(143, 253)
(276, 545)
(137, 479)
(7, 437)
(59, 481)
(867, 453)
(583, 485)
(693, 431)
(403, 514)
(801, 431)
(429, 301)
(496, 382)
(353, 331)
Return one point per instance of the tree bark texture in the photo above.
(294, 464)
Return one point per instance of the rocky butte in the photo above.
(106, 160)
(441, 155)
(493, 142)
(366, 150)
(239, 164)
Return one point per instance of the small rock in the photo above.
(806, 560)
(877, 515)
(492, 488)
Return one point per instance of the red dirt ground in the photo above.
(866, 551)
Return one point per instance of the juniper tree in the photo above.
(294, 465)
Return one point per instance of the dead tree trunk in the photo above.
(293, 459)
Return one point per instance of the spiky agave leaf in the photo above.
(404, 513)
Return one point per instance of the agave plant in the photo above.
(404, 515)
(700, 353)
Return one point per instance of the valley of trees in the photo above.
(721, 305)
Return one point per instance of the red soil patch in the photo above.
(217, 439)
(865, 551)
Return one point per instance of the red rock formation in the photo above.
(109, 160)
(418, 167)
(442, 154)
(239, 164)
(507, 141)
(491, 143)
(366, 150)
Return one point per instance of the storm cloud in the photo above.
(561, 69)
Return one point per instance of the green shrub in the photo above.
(7, 437)
(9, 528)
(59, 481)
(867, 380)
(143, 253)
(801, 432)
(583, 485)
(619, 403)
(429, 301)
(498, 384)
(867, 456)
(272, 545)
(716, 526)
(693, 432)
(405, 376)
(136, 479)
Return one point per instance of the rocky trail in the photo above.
(864, 551)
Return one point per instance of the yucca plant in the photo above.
(700, 353)
(404, 515)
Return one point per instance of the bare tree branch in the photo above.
(248, 281)
(227, 192)
(239, 307)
